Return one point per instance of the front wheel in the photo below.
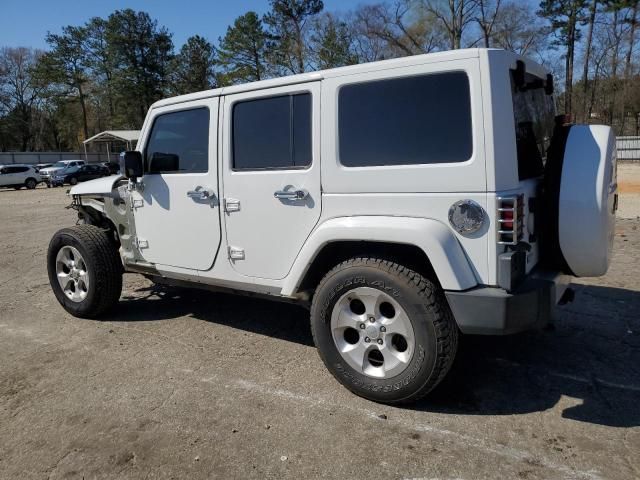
(30, 183)
(85, 271)
(384, 331)
(73, 181)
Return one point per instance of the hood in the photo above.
(99, 186)
(50, 169)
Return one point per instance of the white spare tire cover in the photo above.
(587, 201)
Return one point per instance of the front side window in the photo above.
(179, 143)
(423, 119)
(272, 133)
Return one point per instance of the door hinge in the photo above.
(236, 253)
(141, 243)
(231, 205)
(136, 203)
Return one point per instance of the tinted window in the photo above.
(179, 143)
(15, 169)
(272, 132)
(405, 121)
(534, 113)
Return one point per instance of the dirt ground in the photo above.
(189, 384)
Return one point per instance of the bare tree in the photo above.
(517, 28)
(488, 12)
(587, 54)
(632, 20)
(19, 91)
(454, 16)
(394, 30)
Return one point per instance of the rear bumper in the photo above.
(494, 311)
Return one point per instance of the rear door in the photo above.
(5, 176)
(177, 211)
(271, 170)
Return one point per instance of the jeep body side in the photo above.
(404, 200)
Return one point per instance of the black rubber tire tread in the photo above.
(101, 252)
(432, 298)
(26, 183)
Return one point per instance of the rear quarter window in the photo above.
(422, 119)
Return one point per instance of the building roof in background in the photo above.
(114, 136)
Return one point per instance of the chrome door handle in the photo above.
(291, 194)
(200, 194)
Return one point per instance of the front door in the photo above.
(177, 211)
(271, 169)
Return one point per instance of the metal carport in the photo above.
(128, 137)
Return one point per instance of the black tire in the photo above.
(103, 265)
(30, 183)
(73, 181)
(435, 331)
(17, 187)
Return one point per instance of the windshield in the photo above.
(534, 112)
(60, 165)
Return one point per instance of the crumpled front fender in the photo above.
(99, 186)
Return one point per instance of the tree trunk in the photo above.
(587, 54)
(571, 40)
(83, 105)
(299, 48)
(627, 65)
(614, 67)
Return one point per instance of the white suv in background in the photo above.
(18, 176)
(49, 172)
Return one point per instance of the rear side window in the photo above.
(16, 169)
(406, 121)
(179, 143)
(272, 133)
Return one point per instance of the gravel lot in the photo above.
(188, 384)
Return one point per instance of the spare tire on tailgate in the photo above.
(581, 199)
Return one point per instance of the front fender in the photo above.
(99, 186)
(434, 238)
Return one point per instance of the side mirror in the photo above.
(131, 164)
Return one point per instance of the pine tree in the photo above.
(331, 43)
(243, 50)
(193, 67)
(565, 17)
(287, 21)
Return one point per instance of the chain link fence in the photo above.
(33, 158)
(628, 149)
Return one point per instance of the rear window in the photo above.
(534, 112)
(406, 121)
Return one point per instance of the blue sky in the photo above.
(26, 22)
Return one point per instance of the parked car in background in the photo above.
(18, 176)
(73, 175)
(47, 173)
(40, 166)
(114, 167)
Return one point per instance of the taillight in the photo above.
(510, 216)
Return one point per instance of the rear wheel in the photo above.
(85, 271)
(30, 183)
(384, 331)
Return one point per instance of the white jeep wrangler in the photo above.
(404, 201)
